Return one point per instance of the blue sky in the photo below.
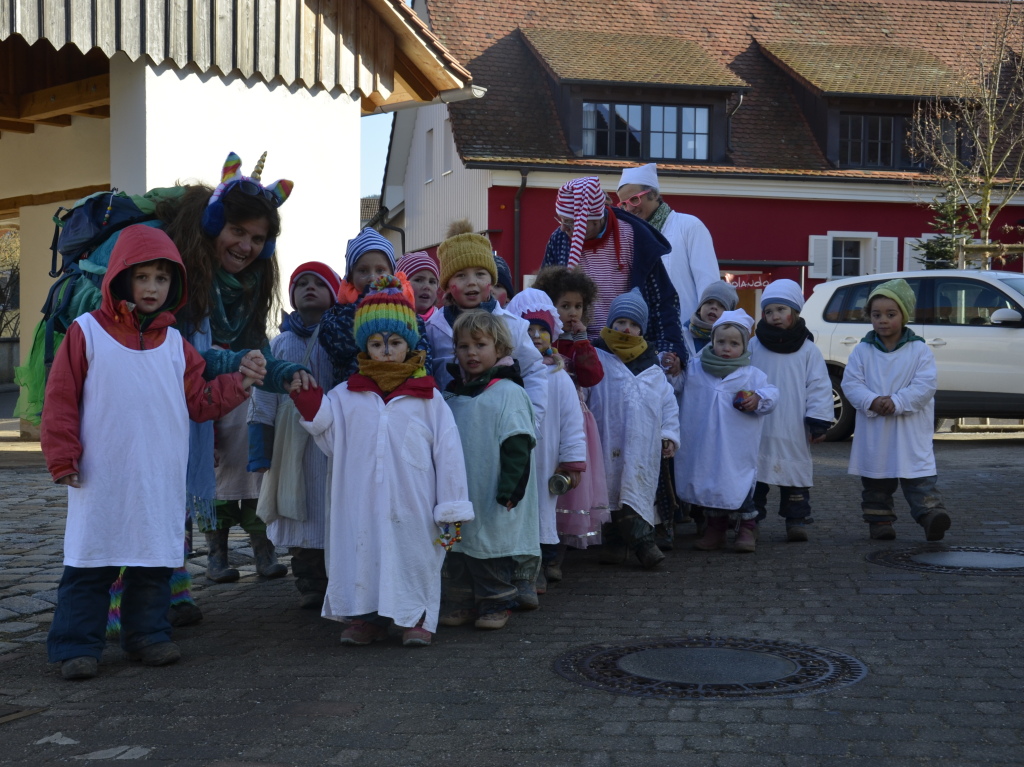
(376, 130)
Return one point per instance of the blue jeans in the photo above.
(486, 584)
(83, 598)
(794, 503)
(876, 498)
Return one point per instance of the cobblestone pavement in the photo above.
(265, 683)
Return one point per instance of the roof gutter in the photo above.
(516, 226)
(443, 97)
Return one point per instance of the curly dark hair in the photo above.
(556, 281)
(182, 218)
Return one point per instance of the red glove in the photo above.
(307, 402)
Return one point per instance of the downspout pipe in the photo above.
(516, 226)
(442, 97)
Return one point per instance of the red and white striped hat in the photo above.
(582, 200)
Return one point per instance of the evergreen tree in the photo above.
(951, 223)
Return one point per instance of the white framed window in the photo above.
(447, 148)
(851, 254)
(428, 156)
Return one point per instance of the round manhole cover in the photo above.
(960, 560)
(720, 668)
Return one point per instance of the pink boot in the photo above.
(714, 536)
(746, 538)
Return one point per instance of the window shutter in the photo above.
(820, 256)
(886, 253)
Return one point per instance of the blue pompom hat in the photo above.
(367, 240)
(630, 306)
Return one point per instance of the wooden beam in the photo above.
(17, 127)
(97, 112)
(14, 204)
(412, 77)
(65, 99)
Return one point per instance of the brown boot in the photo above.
(714, 535)
(746, 538)
(217, 568)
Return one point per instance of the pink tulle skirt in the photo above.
(581, 512)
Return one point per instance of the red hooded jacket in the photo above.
(206, 400)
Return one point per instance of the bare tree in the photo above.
(10, 258)
(972, 141)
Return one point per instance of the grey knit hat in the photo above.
(630, 306)
(722, 292)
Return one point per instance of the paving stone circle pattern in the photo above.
(954, 560)
(715, 668)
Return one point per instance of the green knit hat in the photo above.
(900, 292)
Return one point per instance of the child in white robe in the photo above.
(724, 399)
(784, 349)
(398, 476)
(890, 379)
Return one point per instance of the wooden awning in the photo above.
(376, 50)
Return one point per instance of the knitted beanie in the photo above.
(721, 291)
(630, 306)
(900, 292)
(413, 263)
(364, 242)
(321, 270)
(738, 319)
(462, 250)
(535, 306)
(785, 292)
(385, 309)
(504, 275)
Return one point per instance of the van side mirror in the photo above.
(1005, 317)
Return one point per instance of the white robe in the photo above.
(397, 471)
(531, 364)
(634, 413)
(897, 445)
(560, 440)
(716, 465)
(805, 391)
(691, 264)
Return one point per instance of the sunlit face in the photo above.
(151, 283)
(886, 318)
(239, 244)
(389, 347)
(570, 307)
(311, 295)
(424, 286)
(638, 201)
(779, 316)
(371, 265)
(728, 342)
(541, 337)
(476, 353)
(710, 311)
(470, 287)
(627, 326)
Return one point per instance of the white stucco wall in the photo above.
(184, 124)
(55, 158)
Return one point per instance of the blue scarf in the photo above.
(293, 322)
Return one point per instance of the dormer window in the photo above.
(865, 141)
(656, 132)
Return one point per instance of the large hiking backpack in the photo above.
(84, 227)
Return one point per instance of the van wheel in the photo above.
(844, 414)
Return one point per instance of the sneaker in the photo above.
(882, 531)
(84, 667)
(650, 556)
(362, 633)
(553, 573)
(492, 621)
(796, 533)
(456, 618)
(541, 584)
(159, 654)
(417, 636)
(935, 524)
(526, 596)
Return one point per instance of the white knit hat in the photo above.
(644, 175)
(785, 292)
(738, 317)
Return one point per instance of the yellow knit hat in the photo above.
(464, 249)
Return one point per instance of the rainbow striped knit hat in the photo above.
(385, 309)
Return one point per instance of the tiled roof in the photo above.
(517, 122)
(368, 207)
(584, 56)
(868, 70)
